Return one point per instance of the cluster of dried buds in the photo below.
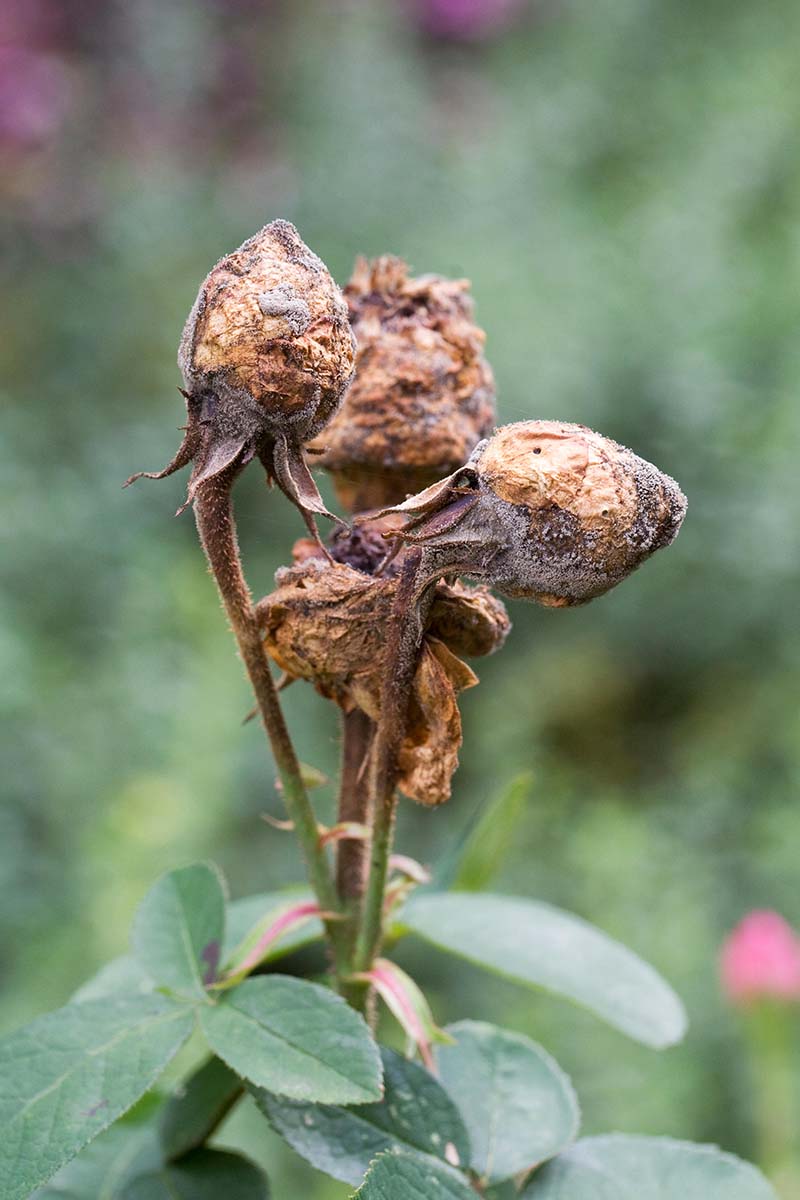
(387, 386)
(327, 622)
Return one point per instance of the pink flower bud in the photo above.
(761, 960)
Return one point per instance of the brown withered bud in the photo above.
(545, 511)
(327, 623)
(363, 546)
(423, 393)
(266, 355)
(469, 620)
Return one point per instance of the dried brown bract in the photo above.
(546, 511)
(266, 355)
(327, 623)
(423, 393)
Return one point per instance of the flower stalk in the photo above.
(216, 526)
(351, 858)
(402, 649)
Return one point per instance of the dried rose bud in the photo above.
(327, 623)
(423, 393)
(546, 511)
(266, 355)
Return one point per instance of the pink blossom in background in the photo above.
(34, 95)
(465, 20)
(761, 960)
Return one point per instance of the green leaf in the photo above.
(65, 1077)
(626, 1167)
(403, 1177)
(534, 943)
(415, 1115)
(127, 1149)
(179, 929)
(518, 1105)
(251, 911)
(202, 1175)
(296, 1039)
(196, 1108)
(488, 839)
(121, 977)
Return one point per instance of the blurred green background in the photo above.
(620, 179)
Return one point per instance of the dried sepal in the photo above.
(428, 756)
(469, 620)
(327, 623)
(546, 511)
(266, 355)
(423, 393)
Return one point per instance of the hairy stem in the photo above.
(215, 523)
(402, 652)
(351, 859)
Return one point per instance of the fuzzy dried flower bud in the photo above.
(266, 355)
(423, 393)
(546, 511)
(327, 623)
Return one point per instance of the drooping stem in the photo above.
(351, 859)
(215, 523)
(402, 652)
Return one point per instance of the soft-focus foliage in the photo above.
(620, 181)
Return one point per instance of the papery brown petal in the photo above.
(326, 623)
(469, 620)
(428, 756)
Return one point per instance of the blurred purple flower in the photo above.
(34, 95)
(465, 20)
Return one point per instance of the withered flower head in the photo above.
(266, 355)
(423, 393)
(326, 622)
(546, 511)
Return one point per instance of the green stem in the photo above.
(769, 1028)
(215, 523)
(351, 862)
(402, 653)
(351, 857)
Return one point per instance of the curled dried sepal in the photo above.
(469, 620)
(266, 355)
(405, 874)
(262, 937)
(423, 393)
(327, 623)
(546, 511)
(409, 1007)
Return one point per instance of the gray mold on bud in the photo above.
(546, 511)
